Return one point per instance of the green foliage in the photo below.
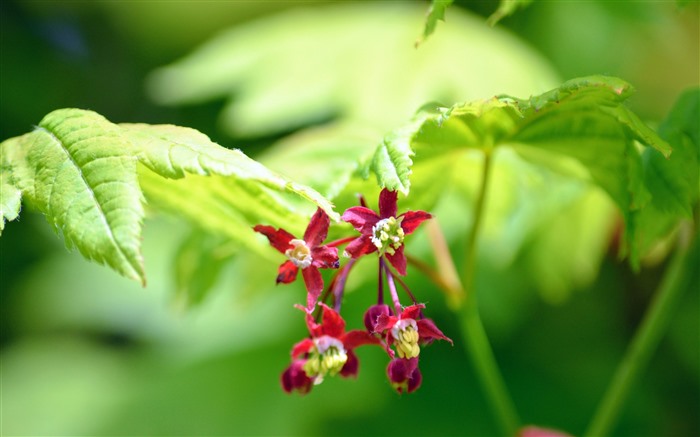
(584, 120)
(10, 201)
(506, 8)
(435, 13)
(376, 77)
(673, 183)
(198, 263)
(80, 170)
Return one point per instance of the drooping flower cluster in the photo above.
(400, 331)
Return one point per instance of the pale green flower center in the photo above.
(300, 254)
(405, 333)
(327, 358)
(387, 235)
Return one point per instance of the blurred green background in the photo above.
(85, 352)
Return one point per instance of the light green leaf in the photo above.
(171, 151)
(323, 157)
(377, 77)
(506, 8)
(79, 171)
(197, 265)
(435, 13)
(584, 120)
(10, 201)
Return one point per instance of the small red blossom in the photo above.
(307, 254)
(407, 331)
(383, 232)
(294, 378)
(329, 350)
(404, 375)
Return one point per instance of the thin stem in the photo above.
(471, 249)
(336, 243)
(406, 289)
(339, 284)
(380, 288)
(678, 277)
(473, 332)
(434, 276)
(445, 263)
(392, 288)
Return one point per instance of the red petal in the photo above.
(361, 245)
(372, 315)
(325, 257)
(351, 366)
(356, 338)
(387, 203)
(317, 231)
(333, 324)
(294, 378)
(428, 331)
(279, 238)
(404, 374)
(412, 312)
(398, 260)
(411, 220)
(415, 380)
(287, 272)
(385, 322)
(361, 218)
(314, 285)
(302, 347)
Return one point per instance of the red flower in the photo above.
(383, 232)
(404, 375)
(408, 330)
(307, 254)
(294, 378)
(329, 351)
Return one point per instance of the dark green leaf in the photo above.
(673, 181)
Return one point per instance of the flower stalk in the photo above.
(678, 277)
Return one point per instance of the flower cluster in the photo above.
(398, 330)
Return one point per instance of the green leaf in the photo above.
(435, 13)
(506, 8)
(584, 120)
(256, 68)
(171, 151)
(673, 182)
(197, 265)
(10, 202)
(78, 170)
(324, 157)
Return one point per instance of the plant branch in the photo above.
(473, 332)
(678, 277)
(462, 300)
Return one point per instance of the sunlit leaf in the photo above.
(435, 13)
(10, 202)
(198, 263)
(584, 120)
(79, 171)
(277, 75)
(171, 151)
(506, 8)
